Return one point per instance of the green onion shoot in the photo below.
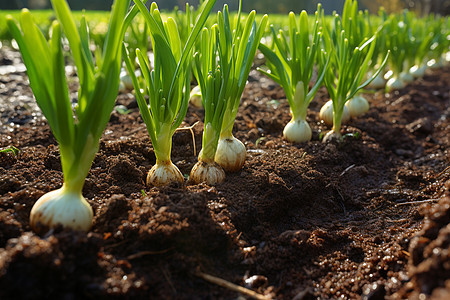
(348, 65)
(77, 132)
(216, 66)
(231, 152)
(210, 72)
(290, 63)
(167, 84)
(195, 97)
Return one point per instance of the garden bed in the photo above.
(298, 221)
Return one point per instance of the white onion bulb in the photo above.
(230, 154)
(196, 97)
(395, 83)
(61, 207)
(326, 113)
(417, 71)
(406, 77)
(357, 106)
(164, 174)
(297, 131)
(209, 172)
(378, 82)
(332, 137)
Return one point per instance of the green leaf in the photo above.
(169, 81)
(174, 38)
(291, 63)
(84, 69)
(143, 107)
(77, 135)
(84, 38)
(37, 82)
(64, 132)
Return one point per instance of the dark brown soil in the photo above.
(299, 221)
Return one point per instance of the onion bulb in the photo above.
(332, 137)
(209, 172)
(164, 173)
(447, 57)
(378, 82)
(326, 113)
(388, 75)
(395, 83)
(196, 97)
(417, 71)
(122, 88)
(357, 106)
(406, 77)
(297, 131)
(125, 79)
(230, 154)
(126, 83)
(435, 64)
(61, 207)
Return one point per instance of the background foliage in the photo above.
(422, 7)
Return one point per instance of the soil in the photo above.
(365, 218)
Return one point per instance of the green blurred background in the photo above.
(422, 7)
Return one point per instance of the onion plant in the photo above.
(441, 40)
(380, 49)
(222, 66)
(290, 63)
(245, 39)
(348, 68)
(423, 40)
(365, 27)
(398, 43)
(136, 37)
(77, 132)
(358, 27)
(168, 86)
(417, 47)
(412, 44)
(211, 74)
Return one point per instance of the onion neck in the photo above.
(338, 110)
(163, 145)
(160, 162)
(299, 114)
(299, 109)
(227, 124)
(69, 188)
(209, 143)
(76, 166)
(226, 135)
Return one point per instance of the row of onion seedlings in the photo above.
(349, 53)
(342, 50)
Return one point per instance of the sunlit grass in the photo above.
(97, 20)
